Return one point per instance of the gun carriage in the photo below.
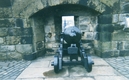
(70, 44)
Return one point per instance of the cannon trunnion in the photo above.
(70, 44)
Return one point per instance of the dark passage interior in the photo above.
(47, 26)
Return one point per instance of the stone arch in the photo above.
(38, 5)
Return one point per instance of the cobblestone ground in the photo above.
(10, 70)
(121, 64)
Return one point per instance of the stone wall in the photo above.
(112, 35)
(20, 31)
(15, 38)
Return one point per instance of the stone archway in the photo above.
(47, 24)
(38, 5)
(34, 7)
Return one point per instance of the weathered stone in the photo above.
(19, 23)
(125, 7)
(11, 40)
(126, 45)
(32, 8)
(5, 12)
(4, 23)
(24, 49)
(122, 17)
(120, 45)
(14, 56)
(97, 5)
(104, 36)
(116, 7)
(120, 35)
(27, 31)
(89, 36)
(108, 54)
(39, 45)
(105, 19)
(109, 45)
(5, 3)
(14, 31)
(109, 3)
(124, 53)
(26, 40)
(3, 56)
(19, 5)
(1, 40)
(83, 20)
(3, 32)
(115, 18)
(118, 26)
(105, 28)
(7, 48)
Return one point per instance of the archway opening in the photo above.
(47, 25)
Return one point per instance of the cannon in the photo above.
(70, 44)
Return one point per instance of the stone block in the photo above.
(19, 5)
(5, 12)
(109, 45)
(14, 56)
(120, 45)
(122, 17)
(27, 31)
(83, 20)
(31, 9)
(84, 27)
(98, 52)
(105, 19)
(3, 56)
(115, 18)
(108, 10)
(89, 36)
(19, 23)
(104, 36)
(39, 45)
(3, 32)
(96, 5)
(118, 27)
(116, 7)
(105, 28)
(108, 54)
(14, 31)
(26, 40)
(5, 23)
(5, 3)
(7, 48)
(126, 45)
(125, 7)
(97, 44)
(24, 49)
(12, 40)
(120, 36)
(1, 40)
(124, 52)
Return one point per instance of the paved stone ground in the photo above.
(40, 69)
(10, 70)
(121, 64)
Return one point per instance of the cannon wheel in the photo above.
(56, 64)
(88, 64)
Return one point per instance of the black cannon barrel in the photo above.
(72, 34)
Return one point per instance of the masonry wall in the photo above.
(112, 37)
(17, 37)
